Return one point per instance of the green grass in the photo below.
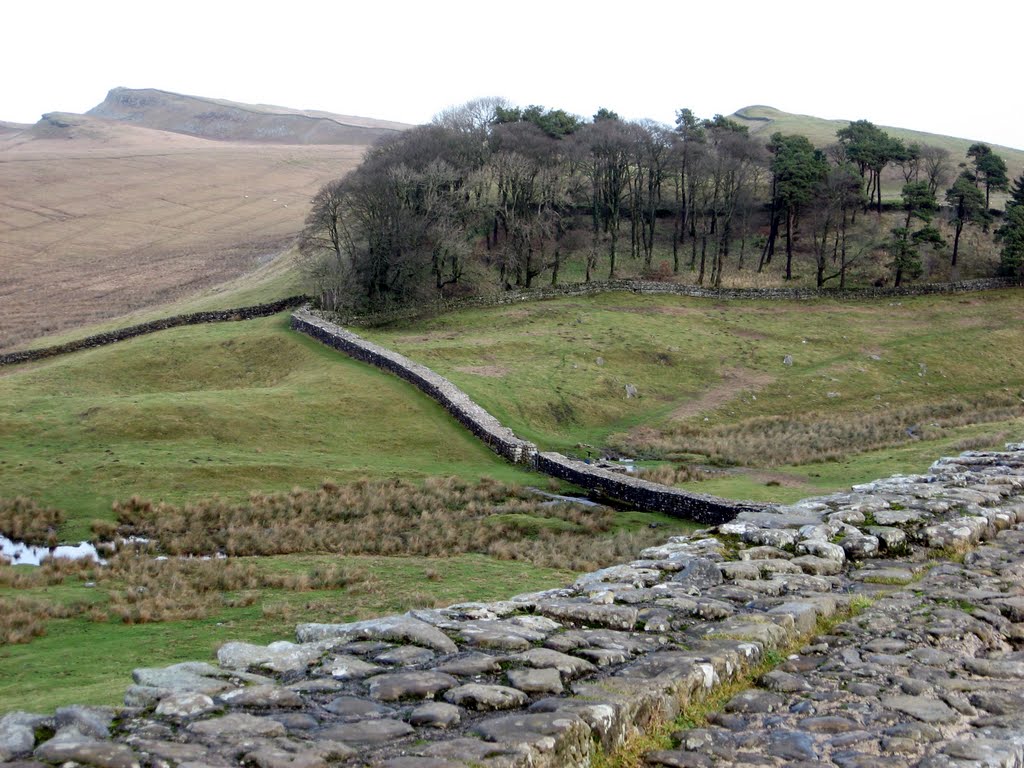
(82, 662)
(707, 364)
(812, 479)
(223, 409)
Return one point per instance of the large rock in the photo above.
(237, 725)
(485, 697)
(367, 732)
(72, 746)
(401, 629)
(410, 685)
(278, 657)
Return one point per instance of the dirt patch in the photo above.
(734, 381)
(746, 333)
(490, 371)
(664, 310)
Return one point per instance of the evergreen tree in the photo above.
(1011, 233)
(989, 169)
(968, 205)
(905, 246)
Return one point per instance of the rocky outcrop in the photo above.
(231, 121)
(888, 622)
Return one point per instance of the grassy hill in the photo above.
(868, 379)
(232, 121)
(100, 218)
(202, 417)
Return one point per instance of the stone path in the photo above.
(929, 674)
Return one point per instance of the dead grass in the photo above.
(142, 589)
(25, 520)
(441, 517)
(818, 436)
(117, 218)
(672, 475)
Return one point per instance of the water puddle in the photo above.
(555, 498)
(19, 553)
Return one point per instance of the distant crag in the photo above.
(230, 121)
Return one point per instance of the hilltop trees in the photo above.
(491, 196)
(919, 204)
(871, 149)
(797, 170)
(989, 169)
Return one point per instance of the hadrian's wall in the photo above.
(620, 487)
(478, 421)
(848, 635)
(109, 337)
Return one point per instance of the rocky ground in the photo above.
(890, 620)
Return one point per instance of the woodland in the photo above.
(490, 196)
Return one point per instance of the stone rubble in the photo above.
(929, 672)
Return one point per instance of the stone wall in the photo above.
(440, 306)
(638, 493)
(478, 421)
(109, 337)
(642, 494)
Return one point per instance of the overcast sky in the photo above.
(937, 66)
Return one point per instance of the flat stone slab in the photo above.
(486, 697)
(536, 680)
(73, 747)
(924, 709)
(347, 667)
(403, 629)
(237, 724)
(410, 685)
(569, 666)
(367, 732)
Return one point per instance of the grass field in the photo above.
(220, 409)
(224, 411)
(713, 386)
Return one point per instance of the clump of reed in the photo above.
(23, 619)
(25, 520)
(818, 436)
(668, 474)
(139, 588)
(440, 517)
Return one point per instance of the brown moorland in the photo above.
(100, 217)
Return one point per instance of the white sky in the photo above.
(939, 66)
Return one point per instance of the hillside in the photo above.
(231, 121)
(765, 121)
(100, 218)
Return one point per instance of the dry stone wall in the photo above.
(927, 674)
(655, 287)
(620, 487)
(110, 337)
(477, 420)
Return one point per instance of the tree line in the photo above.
(489, 193)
